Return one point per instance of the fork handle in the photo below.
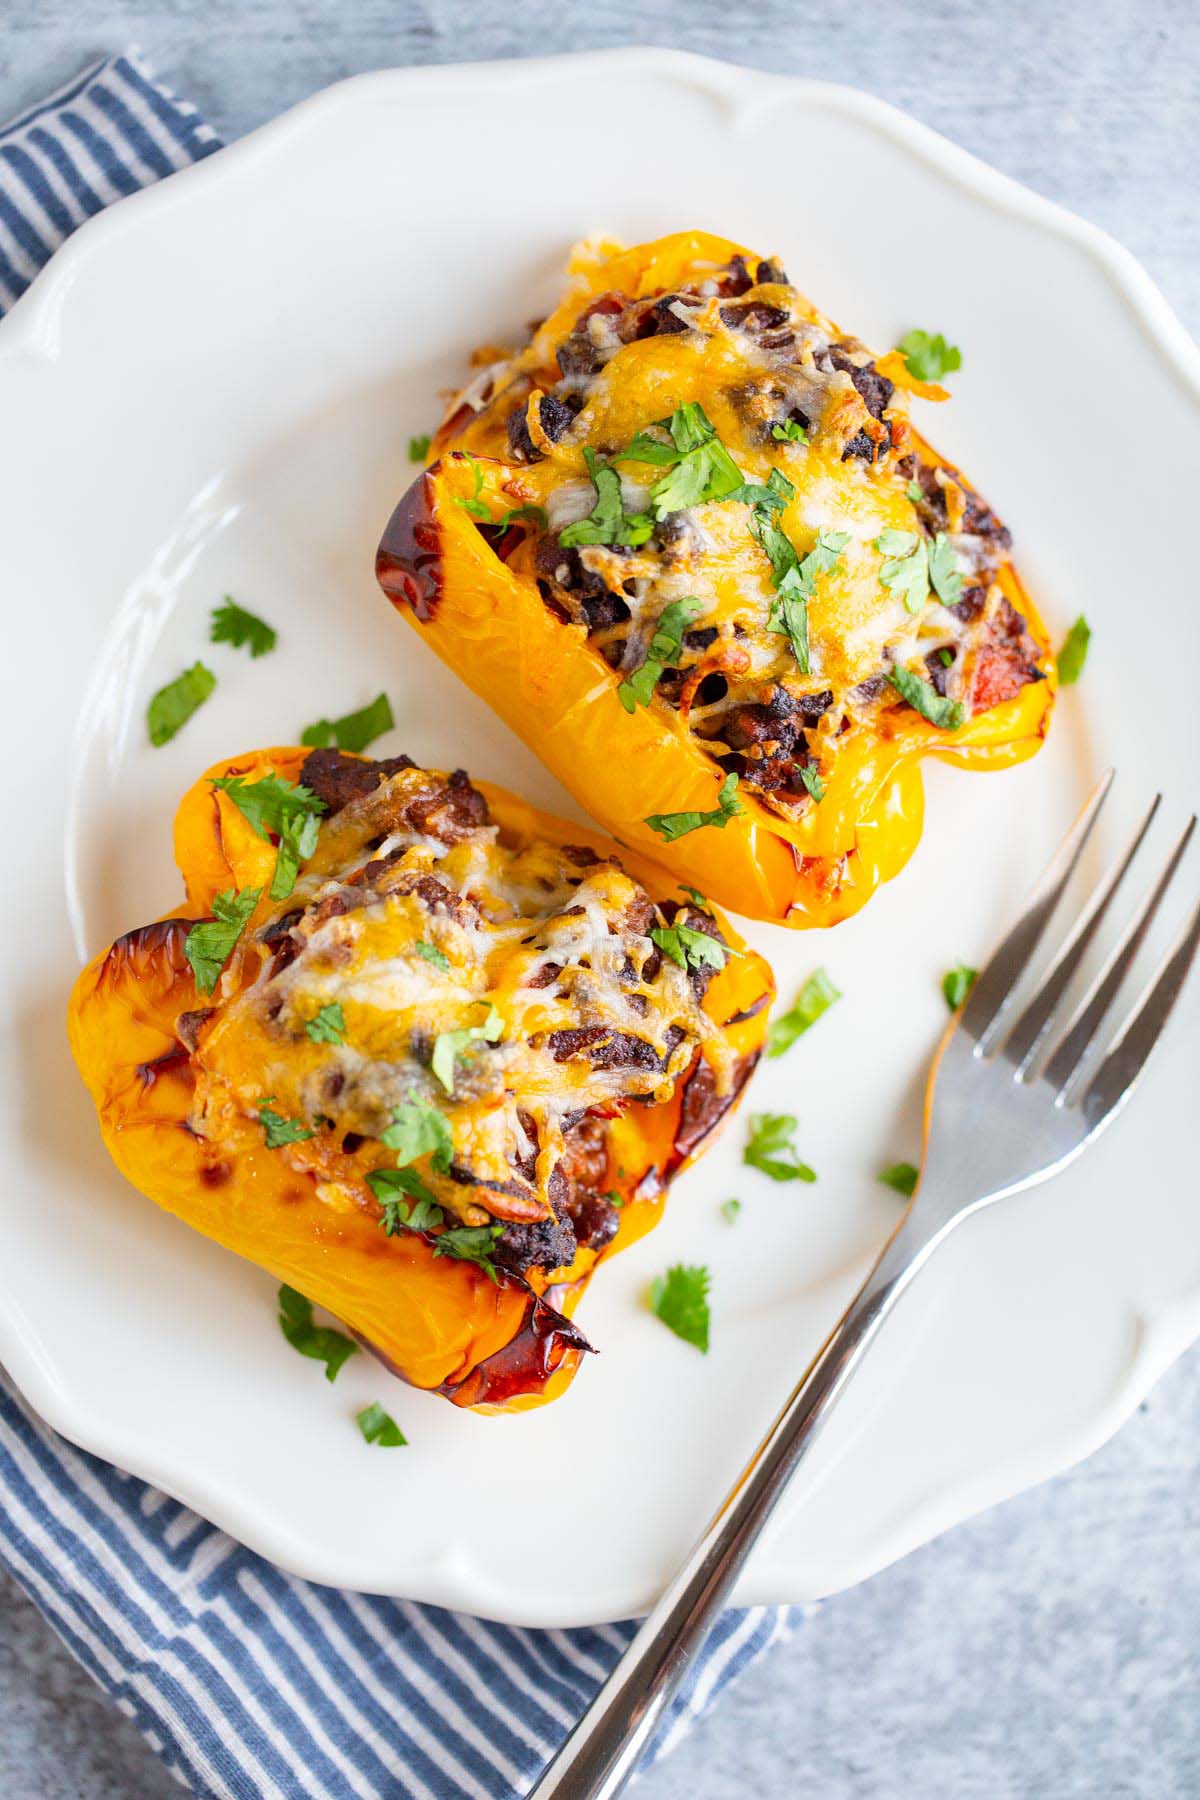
(603, 1750)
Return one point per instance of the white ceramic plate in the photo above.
(210, 391)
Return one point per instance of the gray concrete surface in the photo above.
(1051, 1648)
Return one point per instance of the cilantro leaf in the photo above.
(771, 1148)
(815, 997)
(730, 1210)
(278, 1130)
(680, 1299)
(328, 1026)
(379, 1427)
(449, 1046)
(210, 943)
(473, 504)
(928, 355)
(915, 492)
(789, 432)
(670, 826)
(688, 947)
(471, 1243)
(665, 648)
(696, 897)
(699, 466)
(283, 808)
(925, 699)
(354, 730)
(902, 1176)
(1073, 654)
(608, 522)
(794, 576)
(810, 775)
(318, 1341)
(432, 954)
(419, 1129)
(789, 618)
(418, 447)
(907, 571)
(424, 1215)
(957, 984)
(232, 624)
(944, 571)
(173, 705)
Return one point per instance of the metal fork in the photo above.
(1000, 1116)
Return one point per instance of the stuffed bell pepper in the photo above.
(689, 546)
(426, 1055)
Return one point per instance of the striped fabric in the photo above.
(246, 1681)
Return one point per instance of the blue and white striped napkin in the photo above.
(246, 1681)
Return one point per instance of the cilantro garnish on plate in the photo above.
(957, 984)
(354, 730)
(320, 1342)
(232, 624)
(680, 1299)
(902, 1176)
(771, 1148)
(379, 1427)
(173, 705)
(608, 522)
(1073, 654)
(815, 997)
(924, 698)
(328, 1025)
(450, 1046)
(689, 948)
(279, 1131)
(928, 356)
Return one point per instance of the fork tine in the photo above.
(991, 995)
(1036, 1020)
(1114, 1080)
(1095, 1006)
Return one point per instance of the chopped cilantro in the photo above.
(608, 522)
(354, 730)
(418, 447)
(419, 1129)
(278, 1130)
(665, 647)
(915, 492)
(946, 658)
(699, 467)
(810, 775)
(902, 1176)
(928, 355)
(907, 570)
(680, 1298)
(536, 513)
(471, 1243)
(696, 897)
(210, 944)
(730, 1210)
(688, 947)
(793, 576)
(789, 432)
(670, 826)
(283, 808)
(1073, 654)
(173, 705)
(379, 1427)
(387, 1184)
(232, 624)
(771, 1148)
(328, 1026)
(449, 1046)
(944, 571)
(473, 504)
(318, 1341)
(925, 699)
(432, 954)
(815, 997)
(957, 984)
